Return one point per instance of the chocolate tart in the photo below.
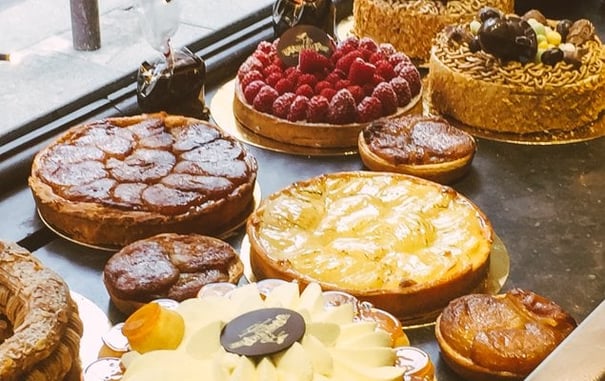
(117, 180)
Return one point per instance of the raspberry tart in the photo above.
(526, 75)
(114, 181)
(412, 25)
(405, 244)
(324, 100)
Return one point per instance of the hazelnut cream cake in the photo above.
(41, 341)
(411, 25)
(114, 181)
(405, 244)
(518, 74)
(323, 98)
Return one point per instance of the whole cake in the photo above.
(114, 181)
(411, 25)
(257, 332)
(519, 75)
(43, 327)
(182, 264)
(500, 337)
(424, 146)
(405, 244)
(323, 100)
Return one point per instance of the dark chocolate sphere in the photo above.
(508, 38)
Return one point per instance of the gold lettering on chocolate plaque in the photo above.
(268, 331)
(305, 42)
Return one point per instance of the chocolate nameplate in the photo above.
(302, 37)
(263, 332)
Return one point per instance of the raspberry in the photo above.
(292, 73)
(278, 62)
(281, 105)
(322, 85)
(369, 109)
(252, 89)
(284, 85)
(308, 79)
(402, 89)
(336, 56)
(328, 93)
(357, 92)
(262, 57)
(335, 76)
(298, 108)
(251, 76)
(305, 90)
(270, 69)
(342, 84)
(347, 45)
(387, 96)
(397, 58)
(361, 72)
(265, 47)
(273, 78)
(387, 48)
(375, 57)
(310, 61)
(409, 72)
(376, 79)
(385, 70)
(317, 110)
(342, 108)
(345, 62)
(368, 44)
(263, 101)
(251, 63)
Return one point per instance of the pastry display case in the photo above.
(545, 202)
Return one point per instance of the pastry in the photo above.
(552, 82)
(405, 244)
(411, 25)
(114, 181)
(424, 146)
(260, 331)
(324, 101)
(45, 328)
(500, 337)
(173, 266)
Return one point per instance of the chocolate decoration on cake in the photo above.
(263, 332)
(303, 37)
(508, 38)
(290, 13)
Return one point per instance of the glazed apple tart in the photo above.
(41, 338)
(405, 244)
(114, 181)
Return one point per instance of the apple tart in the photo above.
(405, 244)
(43, 328)
(114, 181)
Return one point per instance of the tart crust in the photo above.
(46, 327)
(209, 169)
(439, 153)
(378, 236)
(411, 25)
(319, 135)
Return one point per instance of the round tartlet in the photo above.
(114, 181)
(43, 320)
(182, 264)
(423, 146)
(500, 337)
(405, 244)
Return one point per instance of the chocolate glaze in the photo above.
(417, 139)
(146, 166)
